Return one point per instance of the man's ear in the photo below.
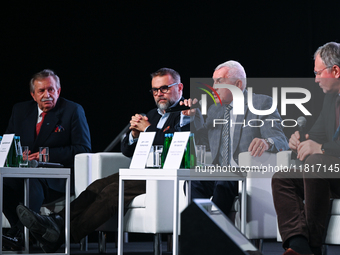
(239, 84)
(336, 71)
(32, 94)
(180, 86)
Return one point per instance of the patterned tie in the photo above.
(226, 137)
(38, 126)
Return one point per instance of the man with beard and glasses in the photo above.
(167, 91)
(99, 202)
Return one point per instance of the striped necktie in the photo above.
(226, 137)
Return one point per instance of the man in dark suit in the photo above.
(46, 121)
(241, 137)
(99, 202)
(302, 203)
(167, 91)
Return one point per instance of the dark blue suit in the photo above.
(64, 130)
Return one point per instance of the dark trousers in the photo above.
(98, 203)
(223, 192)
(302, 199)
(39, 193)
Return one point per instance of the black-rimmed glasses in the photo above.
(164, 89)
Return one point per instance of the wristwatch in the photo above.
(270, 142)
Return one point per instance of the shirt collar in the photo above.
(39, 111)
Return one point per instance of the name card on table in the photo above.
(4, 147)
(177, 147)
(142, 150)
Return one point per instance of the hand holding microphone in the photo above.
(187, 106)
(301, 121)
(299, 136)
(300, 142)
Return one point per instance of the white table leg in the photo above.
(244, 206)
(176, 216)
(120, 216)
(67, 218)
(26, 203)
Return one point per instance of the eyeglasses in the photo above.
(164, 89)
(319, 72)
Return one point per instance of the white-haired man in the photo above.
(227, 141)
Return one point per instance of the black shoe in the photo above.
(48, 228)
(12, 243)
(13, 240)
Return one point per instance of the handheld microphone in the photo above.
(301, 121)
(34, 164)
(179, 108)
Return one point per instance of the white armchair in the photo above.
(332, 236)
(89, 167)
(261, 215)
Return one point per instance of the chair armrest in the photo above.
(261, 215)
(246, 159)
(108, 163)
(82, 172)
(89, 167)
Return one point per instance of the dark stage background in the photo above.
(104, 51)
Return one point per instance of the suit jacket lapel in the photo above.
(30, 123)
(240, 119)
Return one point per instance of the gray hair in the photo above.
(236, 72)
(165, 71)
(329, 54)
(42, 75)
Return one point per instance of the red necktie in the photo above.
(38, 126)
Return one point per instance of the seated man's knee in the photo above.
(315, 159)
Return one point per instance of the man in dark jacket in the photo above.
(46, 121)
(302, 201)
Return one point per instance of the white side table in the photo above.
(27, 173)
(175, 175)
